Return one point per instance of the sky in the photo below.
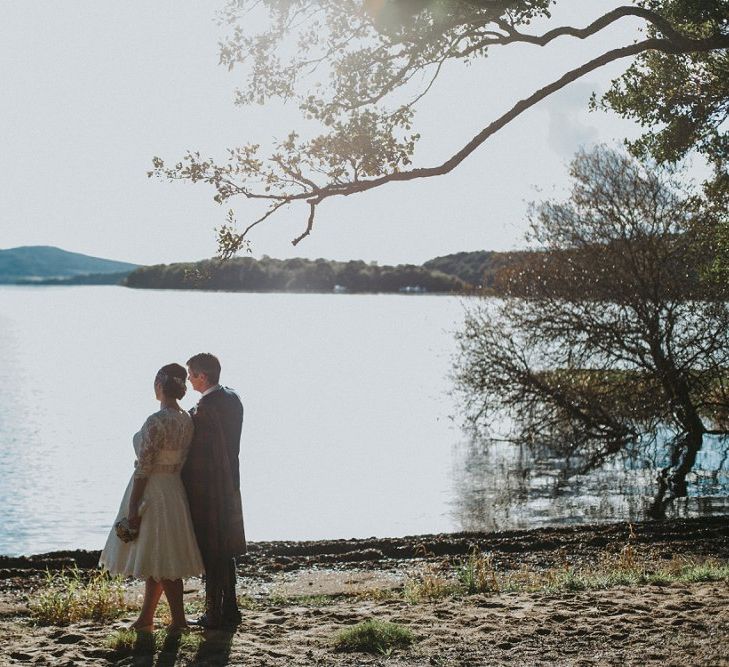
(93, 90)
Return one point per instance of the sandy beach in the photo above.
(545, 603)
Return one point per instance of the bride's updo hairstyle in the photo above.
(172, 377)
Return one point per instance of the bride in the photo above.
(161, 546)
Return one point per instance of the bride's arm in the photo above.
(135, 500)
(152, 437)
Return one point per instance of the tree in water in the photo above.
(608, 334)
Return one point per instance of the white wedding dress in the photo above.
(166, 547)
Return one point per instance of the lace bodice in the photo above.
(162, 444)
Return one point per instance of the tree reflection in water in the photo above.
(504, 485)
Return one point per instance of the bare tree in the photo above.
(603, 341)
(359, 67)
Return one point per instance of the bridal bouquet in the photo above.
(124, 531)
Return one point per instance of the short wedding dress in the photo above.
(166, 547)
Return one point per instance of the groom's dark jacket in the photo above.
(211, 475)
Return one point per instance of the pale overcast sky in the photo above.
(93, 90)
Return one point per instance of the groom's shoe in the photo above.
(231, 619)
(204, 622)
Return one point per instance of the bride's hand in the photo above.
(136, 502)
(134, 520)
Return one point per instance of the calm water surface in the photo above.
(347, 430)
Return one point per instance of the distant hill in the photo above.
(30, 264)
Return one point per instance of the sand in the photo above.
(302, 594)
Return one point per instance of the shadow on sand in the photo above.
(213, 650)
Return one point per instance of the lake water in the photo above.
(347, 433)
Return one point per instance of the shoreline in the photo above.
(460, 293)
(699, 536)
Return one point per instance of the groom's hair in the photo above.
(206, 363)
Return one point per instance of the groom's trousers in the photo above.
(221, 605)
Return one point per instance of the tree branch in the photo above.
(661, 24)
(348, 188)
(459, 36)
(310, 222)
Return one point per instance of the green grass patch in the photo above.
(72, 595)
(194, 606)
(128, 642)
(374, 636)
(660, 578)
(566, 580)
(478, 574)
(122, 641)
(190, 642)
(639, 574)
(430, 586)
(709, 570)
(247, 602)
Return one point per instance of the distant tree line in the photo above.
(518, 273)
(525, 273)
(295, 275)
(480, 269)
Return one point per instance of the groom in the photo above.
(212, 480)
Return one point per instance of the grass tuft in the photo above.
(190, 642)
(124, 642)
(709, 570)
(374, 636)
(128, 642)
(245, 601)
(194, 606)
(72, 595)
(563, 580)
(430, 586)
(477, 574)
(628, 568)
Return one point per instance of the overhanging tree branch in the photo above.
(349, 188)
(363, 148)
(519, 108)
